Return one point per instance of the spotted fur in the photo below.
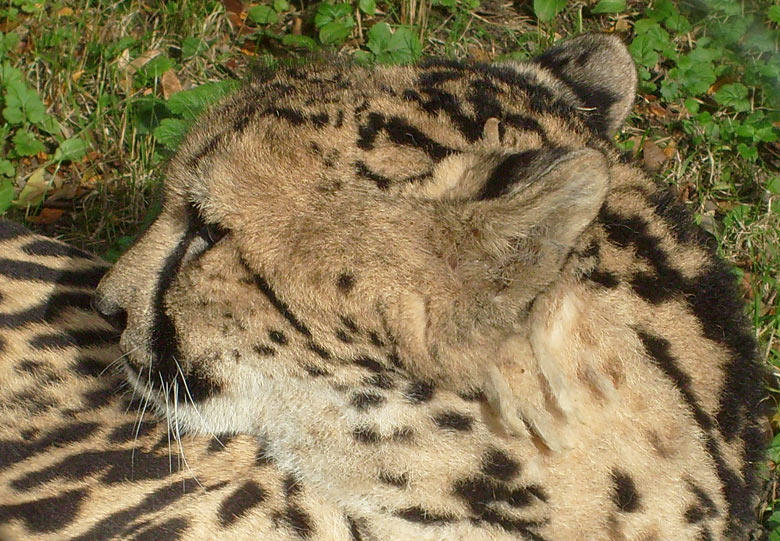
(430, 302)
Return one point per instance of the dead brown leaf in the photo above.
(65, 12)
(47, 216)
(652, 156)
(657, 110)
(297, 27)
(170, 83)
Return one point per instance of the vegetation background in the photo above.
(96, 94)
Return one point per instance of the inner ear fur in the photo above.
(600, 71)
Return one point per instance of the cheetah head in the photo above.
(322, 226)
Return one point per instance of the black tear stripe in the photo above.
(164, 340)
(23, 270)
(49, 310)
(281, 306)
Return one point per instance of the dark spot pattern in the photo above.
(346, 282)
(46, 515)
(497, 464)
(240, 502)
(400, 480)
(51, 248)
(625, 495)
(170, 530)
(424, 516)
(453, 420)
(364, 400)
(419, 392)
(278, 337)
(366, 434)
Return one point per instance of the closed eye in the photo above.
(206, 235)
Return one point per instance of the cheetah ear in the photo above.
(528, 218)
(599, 69)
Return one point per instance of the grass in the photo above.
(95, 95)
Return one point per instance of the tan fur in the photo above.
(432, 344)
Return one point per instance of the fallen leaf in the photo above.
(297, 27)
(76, 75)
(47, 216)
(657, 110)
(170, 83)
(670, 149)
(234, 6)
(652, 156)
(34, 189)
(622, 25)
(131, 67)
(65, 12)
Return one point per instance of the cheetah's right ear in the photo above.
(600, 71)
(527, 219)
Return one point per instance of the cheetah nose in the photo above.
(113, 313)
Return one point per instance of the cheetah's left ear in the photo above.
(599, 69)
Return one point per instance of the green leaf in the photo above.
(773, 185)
(677, 23)
(281, 5)
(327, 13)
(367, 6)
(748, 152)
(22, 104)
(171, 131)
(50, 125)
(301, 42)
(399, 47)
(609, 6)
(643, 52)
(336, 32)
(26, 144)
(154, 69)
(546, 10)
(692, 105)
(71, 150)
(378, 37)
(192, 46)
(262, 14)
(733, 95)
(773, 14)
(6, 194)
(190, 103)
(8, 42)
(7, 169)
